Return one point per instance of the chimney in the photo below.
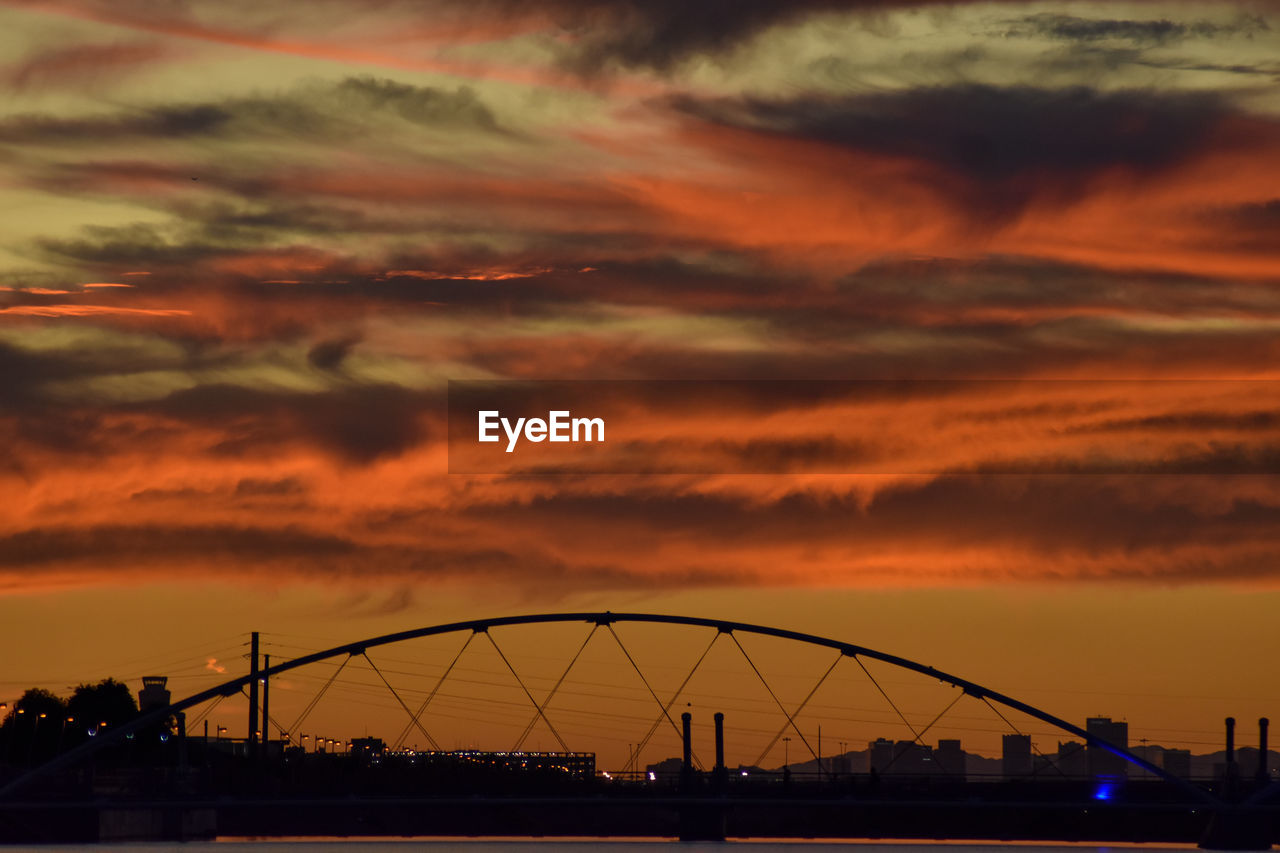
(686, 769)
(1263, 774)
(720, 740)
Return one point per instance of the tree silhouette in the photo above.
(94, 707)
(33, 728)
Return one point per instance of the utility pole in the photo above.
(266, 694)
(253, 689)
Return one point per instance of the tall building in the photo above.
(912, 759)
(1101, 762)
(880, 755)
(1073, 761)
(1015, 756)
(949, 759)
(367, 747)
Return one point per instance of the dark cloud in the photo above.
(1258, 421)
(329, 355)
(358, 424)
(662, 34)
(1007, 144)
(1263, 216)
(993, 149)
(143, 549)
(27, 373)
(133, 246)
(1059, 517)
(167, 122)
(338, 112)
(1148, 32)
(423, 105)
(250, 487)
(355, 423)
(659, 34)
(1247, 227)
(116, 544)
(23, 375)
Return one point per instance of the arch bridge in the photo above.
(722, 631)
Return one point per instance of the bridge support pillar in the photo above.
(702, 820)
(1238, 828)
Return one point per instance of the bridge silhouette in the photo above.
(602, 625)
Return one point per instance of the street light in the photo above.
(62, 732)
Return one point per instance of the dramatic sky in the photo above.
(243, 247)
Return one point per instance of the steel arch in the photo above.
(233, 686)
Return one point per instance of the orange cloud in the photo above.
(90, 311)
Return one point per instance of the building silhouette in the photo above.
(153, 694)
(1015, 756)
(666, 770)
(912, 759)
(368, 747)
(1073, 759)
(1101, 762)
(879, 755)
(1178, 762)
(949, 759)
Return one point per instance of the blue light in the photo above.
(1104, 791)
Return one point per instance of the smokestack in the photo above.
(686, 769)
(253, 687)
(1231, 743)
(687, 719)
(720, 740)
(1263, 773)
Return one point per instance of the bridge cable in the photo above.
(207, 711)
(270, 719)
(797, 711)
(306, 712)
(914, 734)
(434, 690)
(545, 702)
(920, 738)
(266, 729)
(666, 709)
(1017, 731)
(537, 708)
(416, 721)
(776, 700)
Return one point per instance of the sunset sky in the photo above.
(244, 246)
